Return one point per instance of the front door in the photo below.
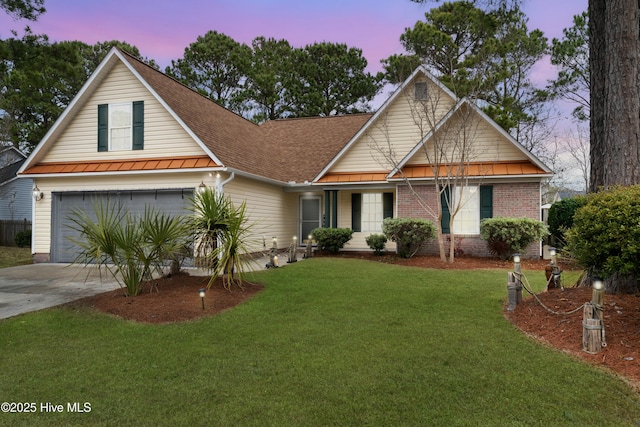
(310, 216)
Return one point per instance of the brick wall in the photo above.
(509, 200)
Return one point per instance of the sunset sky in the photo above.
(161, 29)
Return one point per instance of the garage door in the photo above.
(174, 202)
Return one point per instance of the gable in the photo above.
(396, 128)
(163, 135)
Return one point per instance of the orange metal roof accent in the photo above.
(342, 177)
(122, 165)
(475, 169)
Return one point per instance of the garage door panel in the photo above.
(172, 202)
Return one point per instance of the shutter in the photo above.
(103, 127)
(356, 211)
(387, 205)
(446, 214)
(138, 125)
(486, 201)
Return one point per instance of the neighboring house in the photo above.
(15, 195)
(139, 137)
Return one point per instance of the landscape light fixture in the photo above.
(516, 263)
(37, 194)
(202, 291)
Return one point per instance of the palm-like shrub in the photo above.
(129, 248)
(220, 231)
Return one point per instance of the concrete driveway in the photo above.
(37, 286)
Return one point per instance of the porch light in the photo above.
(37, 194)
(201, 292)
(202, 187)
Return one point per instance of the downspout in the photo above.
(220, 186)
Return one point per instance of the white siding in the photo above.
(163, 136)
(401, 126)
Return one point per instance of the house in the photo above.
(137, 136)
(15, 195)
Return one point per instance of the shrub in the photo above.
(561, 217)
(506, 236)
(331, 239)
(408, 233)
(376, 242)
(606, 231)
(23, 238)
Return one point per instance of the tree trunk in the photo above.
(615, 92)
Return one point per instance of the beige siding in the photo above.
(401, 126)
(357, 241)
(163, 136)
(272, 212)
(42, 220)
(482, 143)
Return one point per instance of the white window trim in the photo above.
(112, 127)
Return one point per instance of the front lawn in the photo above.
(11, 256)
(329, 342)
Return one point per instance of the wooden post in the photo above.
(514, 290)
(591, 330)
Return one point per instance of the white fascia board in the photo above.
(169, 110)
(508, 136)
(426, 138)
(84, 91)
(381, 110)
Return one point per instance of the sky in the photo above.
(162, 29)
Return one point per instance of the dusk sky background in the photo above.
(162, 29)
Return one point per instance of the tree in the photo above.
(39, 80)
(23, 9)
(331, 80)
(215, 65)
(94, 54)
(445, 130)
(268, 78)
(614, 64)
(571, 55)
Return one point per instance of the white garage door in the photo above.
(174, 202)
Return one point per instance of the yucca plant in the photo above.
(220, 232)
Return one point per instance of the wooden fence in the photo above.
(9, 229)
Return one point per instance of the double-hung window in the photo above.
(121, 126)
(368, 210)
(474, 204)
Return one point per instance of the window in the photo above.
(369, 209)
(120, 130)
(420, 91)
(121, 126)
(476, 204)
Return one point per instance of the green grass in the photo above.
(329, 342)
(11, 256)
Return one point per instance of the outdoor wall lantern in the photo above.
(202, 291)
(202, 187)
(37, 194)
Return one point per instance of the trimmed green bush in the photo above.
(506, 236)
(606, 232)
(23, 238)
(408, 233)
(561, 217)
(331, 239)
(376, 243)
